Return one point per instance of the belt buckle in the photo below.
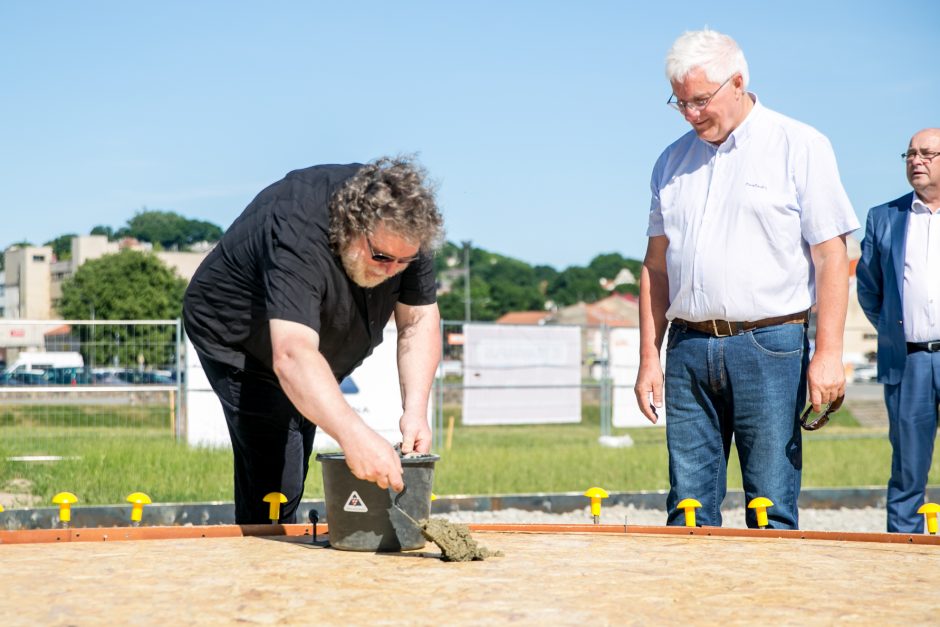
(717, 333)
(933, 347)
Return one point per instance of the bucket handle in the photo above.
(399, 508)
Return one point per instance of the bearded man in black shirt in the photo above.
(294, 297)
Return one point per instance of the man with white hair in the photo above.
(747, 231)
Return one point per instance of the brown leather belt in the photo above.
(725, 328)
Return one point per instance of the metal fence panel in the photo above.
(74, 388)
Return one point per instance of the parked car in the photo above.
(144, 377)
(121, 376)
(107, 376)
(41, 360)
(69, 376)
(23, 377)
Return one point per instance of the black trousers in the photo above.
(271, 440)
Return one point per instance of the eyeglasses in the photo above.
(383, 258)
(925, 155)
(822, 419)
(696, 105)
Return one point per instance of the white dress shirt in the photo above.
(921, 290)
(740, 218)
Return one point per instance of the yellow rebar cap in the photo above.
(64, 498)
(761, 503)
(596, 494)
(137, 500)
(138, 497)
(930, 510)
(689, 506)
(275, 499)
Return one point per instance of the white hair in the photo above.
(716, 54)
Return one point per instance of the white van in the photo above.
(32, 361)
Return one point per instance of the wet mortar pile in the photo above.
(454, 540)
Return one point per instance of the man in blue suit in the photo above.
(899, 290)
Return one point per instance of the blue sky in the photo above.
(539, 121)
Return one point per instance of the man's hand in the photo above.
(371, 458)
(826, 379)
(649, 389)
(415, 434)
(654, 300)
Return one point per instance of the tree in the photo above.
(576, 284)
(452, 304)
(169, 230)
(544, 275)
(129, 285)
(608, 265)
(500, 284)
(447, 252)
(103, 230)
(62, 246)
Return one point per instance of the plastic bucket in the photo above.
(360, 514)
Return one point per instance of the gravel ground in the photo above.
(869, 519)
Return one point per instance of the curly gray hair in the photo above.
(390, 190)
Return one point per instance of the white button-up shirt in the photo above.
(740, 218)
(921, 293)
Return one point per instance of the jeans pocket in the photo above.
(782, 340)
(672, 336)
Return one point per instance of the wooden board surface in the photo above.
(542, 579)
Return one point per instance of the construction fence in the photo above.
(73, 386)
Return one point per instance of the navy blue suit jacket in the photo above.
(880, 281)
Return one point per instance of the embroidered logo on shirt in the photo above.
(757, 185)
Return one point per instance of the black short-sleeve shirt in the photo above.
(276, 262)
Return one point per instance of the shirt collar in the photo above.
(742, 133)
(919, 206)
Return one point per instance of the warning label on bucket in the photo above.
(354, 503)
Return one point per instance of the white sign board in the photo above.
(372, 391)
(517, 374)
(624, 365)
(205, 421)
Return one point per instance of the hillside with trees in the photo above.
(164, 229)
(500, 284)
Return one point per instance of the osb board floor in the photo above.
(542, 579)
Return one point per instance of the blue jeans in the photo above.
(751, 387)
(912, 428)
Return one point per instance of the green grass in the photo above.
(152, 416)
(102, 465)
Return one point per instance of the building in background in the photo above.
(33, 279)
(27, 282)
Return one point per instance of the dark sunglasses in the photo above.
(383, 258)
(820, 420)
